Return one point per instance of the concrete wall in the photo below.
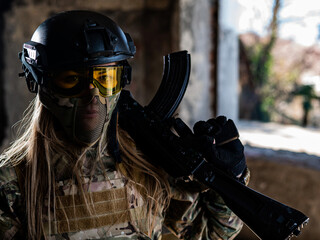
(291, 184)
(195, 37)
(227, 83)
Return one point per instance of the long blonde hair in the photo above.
(33, 150)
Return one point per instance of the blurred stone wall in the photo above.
(4, 6)
(158, 27)
(196, 38)
(151, 23)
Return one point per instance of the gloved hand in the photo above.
(228, 156)
(209, 138)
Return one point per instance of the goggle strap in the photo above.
(31, 82)
(126, 75)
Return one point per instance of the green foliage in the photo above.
(261, 62)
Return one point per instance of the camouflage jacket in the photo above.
(191, 215)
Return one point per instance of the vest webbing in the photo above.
(104, 208)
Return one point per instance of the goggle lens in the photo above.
(72, 83)
(107, 79)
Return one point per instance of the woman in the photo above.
(61, 179)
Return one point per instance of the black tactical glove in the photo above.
(218, 141)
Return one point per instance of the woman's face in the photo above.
(83, 100)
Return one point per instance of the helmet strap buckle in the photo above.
(31, 83)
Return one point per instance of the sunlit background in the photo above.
(288, 85)
(298, 20)
(255, 61)
(280, 76)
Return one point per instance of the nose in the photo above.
(93, 93)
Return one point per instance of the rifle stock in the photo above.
(151, 130)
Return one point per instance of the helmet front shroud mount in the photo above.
(75, 40)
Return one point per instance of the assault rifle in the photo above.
(151, 128)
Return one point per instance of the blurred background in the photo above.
(256, 62)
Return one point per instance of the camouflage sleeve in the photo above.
(204, 215)
(10, 201)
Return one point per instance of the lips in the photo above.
(90, 113)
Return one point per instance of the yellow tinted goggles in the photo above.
(73, 83)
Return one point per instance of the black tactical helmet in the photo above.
(73, 39)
